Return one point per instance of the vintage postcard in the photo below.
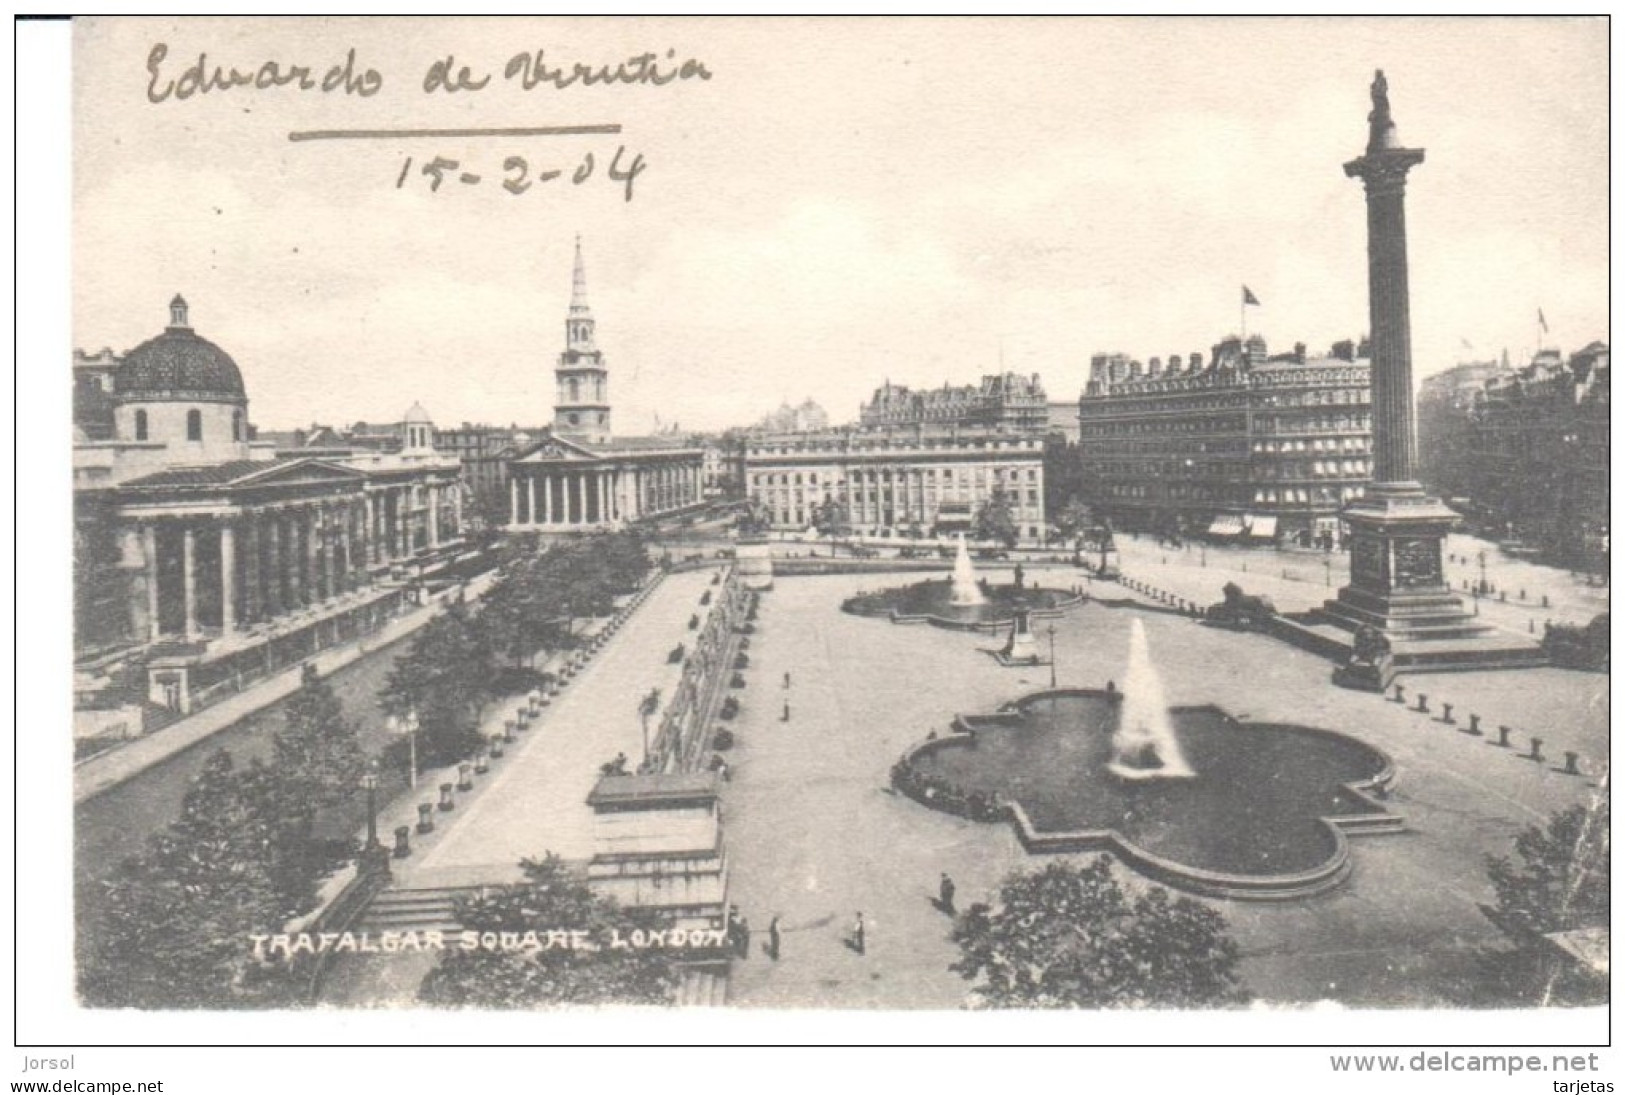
(868, 515)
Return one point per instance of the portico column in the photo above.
(253, 597)
(530, 488)
(403, 530)
(581, 499)
(273, 565)
(346, 519)
(513, 499)
(330, 548)
(228, 579)
(149, 567)
(189, 580)
(547, 499)
(434, 515)
(603, 498)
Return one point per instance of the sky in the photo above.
(843, 202)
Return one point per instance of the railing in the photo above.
(680, 743)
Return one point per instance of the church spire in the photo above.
(578, 293)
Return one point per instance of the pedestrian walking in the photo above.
(945, 892)
(786, 717)
(744, 937)
(773, 939)
(787, 678)
(859, 942)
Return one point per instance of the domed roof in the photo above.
(416, 414)
(179, 365)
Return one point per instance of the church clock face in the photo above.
(575, 419)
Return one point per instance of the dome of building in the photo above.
(178, 365)
(416, 414)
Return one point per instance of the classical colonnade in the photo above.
(233, 568)
(597, 496)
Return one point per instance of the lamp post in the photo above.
(1052, 655)
(409, 727)
(1327, 563)
(374, 857)
(1483, 574)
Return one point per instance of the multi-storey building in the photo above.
(1005, 401)
(1539, 446)
(1244, 445)
(1444, 426)
(804, 416)
(898, 482)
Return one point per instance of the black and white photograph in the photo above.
(966, 516)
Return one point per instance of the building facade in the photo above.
(205, 560)
(1243, 445)
(902, 482)
(579, 476)
(1538, 441)
(1003, 401)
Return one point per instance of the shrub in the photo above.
(676, 654)
(693, 623)
(741, 660)
(722, 740)
(730, 708)
(738, 681)
(705, 598)
(744, 644)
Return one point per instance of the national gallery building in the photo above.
(204, 559)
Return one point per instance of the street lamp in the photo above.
(1052, 655)
(409, 727)
(1327, 563)
(374, 857)
(1483, 576)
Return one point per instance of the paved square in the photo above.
(815, 834)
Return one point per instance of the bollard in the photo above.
(1534, 749)
(1399, 693)
(425, 817)
(1531, 626)
(482, 764)
(496, 745)
(1422, 702)
(1448, 718)
(1503, 596)
(446, 802)
(508, 728)
(465, 776)
(1571, 763)
(1523, 595)
(1545, 601)
(1505, 740)
(403, 847)
(1472, 725)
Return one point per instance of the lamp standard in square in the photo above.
(1052, 655)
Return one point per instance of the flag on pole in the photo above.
(1541, 314)
(1247, 297)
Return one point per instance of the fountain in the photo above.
(965, 591)
(1144, 745)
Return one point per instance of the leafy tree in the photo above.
(1070, 937)
(830, 518)
(1072, 518)
(447, 677)
(551, 899)
(996, 520)
(172, 926)
(317, 753)
(1562, 879)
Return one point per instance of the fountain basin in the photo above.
(1265, 816)
(931, 602)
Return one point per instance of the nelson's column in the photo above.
(1397, 589)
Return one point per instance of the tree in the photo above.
(172, 926)
(1562, 880)
(551, 899)
(317, 753)
(830, 519)
(995, 519)
(446, 677)
(1070, 937)
(1072, 518)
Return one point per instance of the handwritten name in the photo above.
(528, 71)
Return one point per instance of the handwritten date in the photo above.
(518, 174)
